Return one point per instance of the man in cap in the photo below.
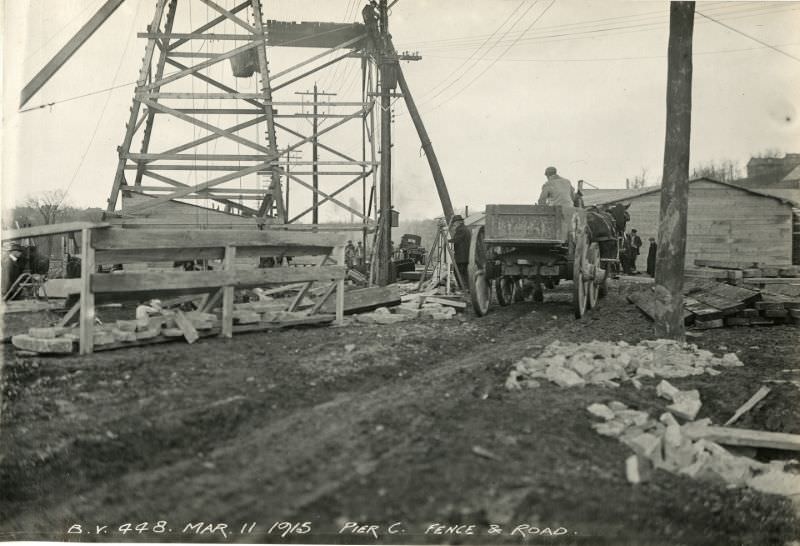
(460, 242)
(557, 191)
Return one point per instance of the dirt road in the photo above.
(398, 428)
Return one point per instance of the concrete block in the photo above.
(122, 335)
(147, 334)
(46, 333)
(102, 338)
(42, 345)
(127, 325)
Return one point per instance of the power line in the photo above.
(451, 84)
(473, 80)
(765, 44)
(467, 41)
(475, 52)
(604, 59)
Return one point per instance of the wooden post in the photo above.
(670, 257)
(87, 297)
(383, 255)
(340, 289)
(229, 264)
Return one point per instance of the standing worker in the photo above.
(651, 257)
(636, 246)
(460, 242)
(557, 191)
(349, 255)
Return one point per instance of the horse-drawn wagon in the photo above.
(524, 247)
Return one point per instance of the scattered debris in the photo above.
(690, 450)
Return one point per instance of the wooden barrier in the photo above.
(121, 246)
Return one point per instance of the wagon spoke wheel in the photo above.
(596, 276)
(505, 290)
(479, 286)
(579, 285)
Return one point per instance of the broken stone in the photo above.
(601, 410)
(668, 419)
(666, 390)
(731, 360)
(172, 332)
(632, 417)
(582, 367)
(42, 345)
(645, 444)
(632, 469)
(610, 428)
(686, 407)
(564, 377)
(777, 483)
(617, 406)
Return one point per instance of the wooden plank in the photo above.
(644, 301)
(118, 239)
(50, 229)
(718, 264)
(186, 326)
(747, 406)
(87, 310)
(321, 301)
(725, 305)
(340, 290)
(745, 437)
(227, 294)
(700, 310)
(366, 299)
(70, 314)
(447, 302)
(200, 281)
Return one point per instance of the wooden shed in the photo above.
(726, 222)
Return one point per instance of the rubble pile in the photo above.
(665, 444)
(609, 364)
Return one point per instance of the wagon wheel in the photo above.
(505, 290)
(594, 275)
(479, 286)
(579, 284)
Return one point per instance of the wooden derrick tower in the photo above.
(217, 135)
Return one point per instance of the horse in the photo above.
(606, 227)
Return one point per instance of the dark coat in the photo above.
(651, 259)
(461, 244)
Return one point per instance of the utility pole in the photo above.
(289, 157)
(671, 254)
(388, 81)
(315, 150)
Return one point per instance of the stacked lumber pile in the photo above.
(710, 304)
(752, 274)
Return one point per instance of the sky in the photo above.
(505, 89)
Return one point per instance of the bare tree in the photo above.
(769, 153)
(50, 204)
(724, 171)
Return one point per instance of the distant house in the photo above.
(726, 222)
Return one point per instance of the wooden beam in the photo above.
(211, 81)
(315, 57)
(747, 406)
(210, 24)
(87, 310)
(68, 50)
(50, 229)
(175, 183)
(202, 65)
(150, 239)
(194, 189)
(228, 15)
(311, 71)
(329, 197)
(228, 293)
(207, 126)
(158, 281)
(745, 437)
(70, 314)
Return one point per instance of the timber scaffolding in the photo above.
(105, 244)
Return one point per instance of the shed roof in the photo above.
(597, 197)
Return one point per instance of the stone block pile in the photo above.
(610, 364)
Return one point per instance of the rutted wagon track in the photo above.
(296, 426)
